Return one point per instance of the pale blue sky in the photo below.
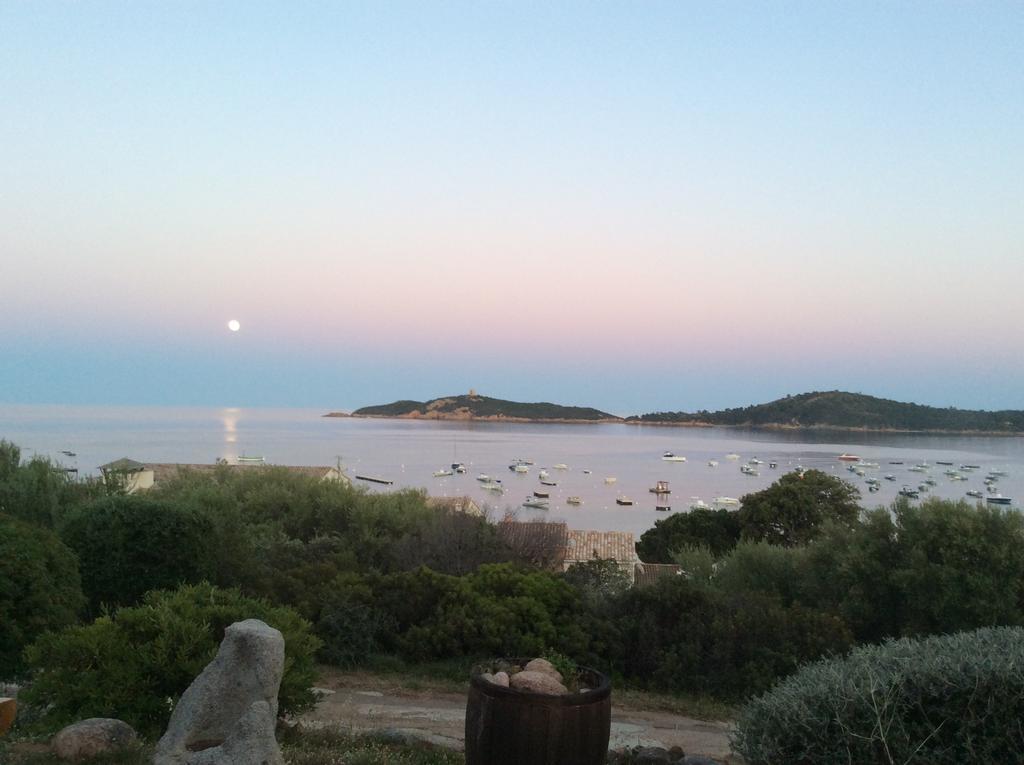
(634, 206)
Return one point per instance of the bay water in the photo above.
(408, 452)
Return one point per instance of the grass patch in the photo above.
(697, 707)
(299, 747)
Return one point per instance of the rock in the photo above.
(537, 682)
(653, 755)
(227, 716)
(487, 677)
(501, 678)
(92, 737)
(543, 665)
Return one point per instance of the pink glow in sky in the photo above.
(645, 208)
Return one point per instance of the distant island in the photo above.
(847, 411)
(836, 410)
(475, 407)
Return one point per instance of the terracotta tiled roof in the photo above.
(164, 471)
(582, 546)
(649, 573)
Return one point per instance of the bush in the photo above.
(937, 567)
(948, 699)
(680, 637)
(127, 546)
(39, 589)
(135, 663)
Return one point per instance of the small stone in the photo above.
(501, 678)
(543, 665)
(92, 737)
(537, 682)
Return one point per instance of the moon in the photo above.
(234, 326)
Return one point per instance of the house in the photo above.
(139, 476)
(646, 574)
(557, 547)
(455, 505)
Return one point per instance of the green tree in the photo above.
(793, 510)
(39, 589)
(129, 545)
(719, 530)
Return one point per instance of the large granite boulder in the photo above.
(92, 737)
(227, 716)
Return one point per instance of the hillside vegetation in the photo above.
(848, 410)
(482, 407)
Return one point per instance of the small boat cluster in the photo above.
(991, 495)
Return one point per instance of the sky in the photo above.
(633, 206)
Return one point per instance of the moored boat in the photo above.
(574, 501)
(671, 457)
(998, 499)
(660, 488)
(623, 501)
(848, 457)
(537, 503)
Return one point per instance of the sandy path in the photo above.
(439, 716)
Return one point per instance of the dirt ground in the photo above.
(361, 702)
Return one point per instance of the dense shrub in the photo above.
(948, 699)
(39, 589)
(37, 491)
(940, 566)
(135, 663)
(681, 637)
(127, 546)
(763, 568)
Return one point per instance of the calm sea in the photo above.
(408, 452)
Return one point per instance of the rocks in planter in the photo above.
(543, 665)
(88, 738)
(537, 682)
(501, 678)
(227, 716)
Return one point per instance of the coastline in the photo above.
(466, 417)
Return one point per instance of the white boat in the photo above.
(573, 501)
(670, 457)
(521, 467)
(998, 499)
(610, 479)
(725, 502)
(712, 463)
(660, 488)
(442, 473)
(748, 470)
(493, 486)
(483, 477)
(543, 474)
(700, 504)
(536, 503)
(755, 461)
(243, 458)
(560, 466)
(848, 457)
(868, 465)
(975, 493)
(889, 477)
(732, 456)
(586, 472)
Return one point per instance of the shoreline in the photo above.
(461, 417)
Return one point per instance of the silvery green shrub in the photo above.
(946, 699)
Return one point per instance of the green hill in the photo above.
(475, 407)
(837, 409)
